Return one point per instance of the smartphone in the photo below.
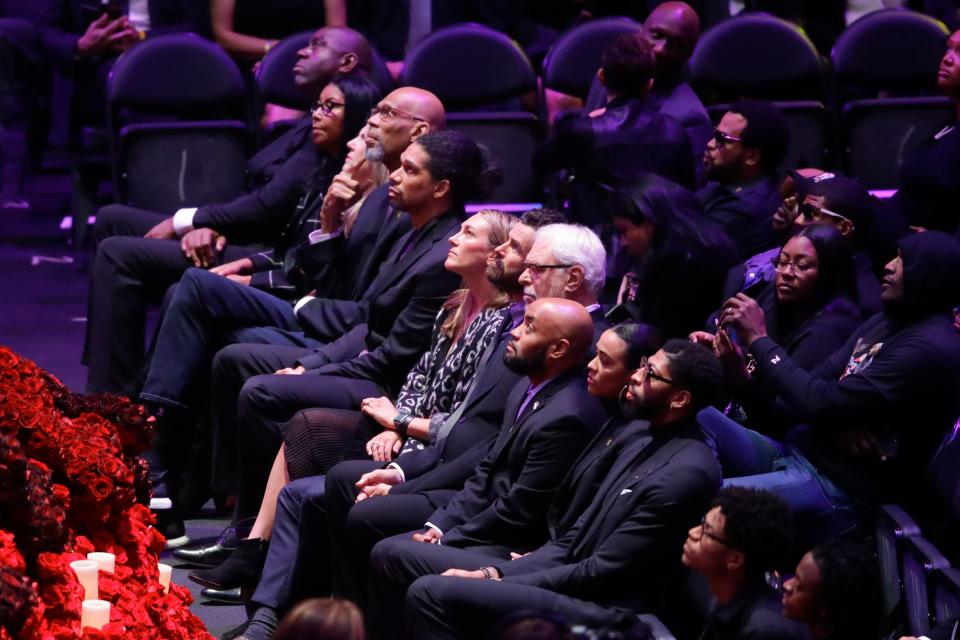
(90, 12)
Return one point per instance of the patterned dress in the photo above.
(439, 382)
(318, 439)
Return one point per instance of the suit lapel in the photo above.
(631, 469)
(397, 265)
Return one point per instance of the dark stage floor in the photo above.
(43, 309)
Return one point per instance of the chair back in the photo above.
(920, 560)
(946, 596)
(891, 50)
(469, 66)
(756, 55)
(893, 526)
(179, 119)
(274, 78)
(945, 472)
(880, 132)
(179, 75)
(573, 60)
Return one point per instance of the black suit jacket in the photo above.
(448, 465)
(343, 267)
(393, 320)
(265, 213)
(579, 487)
(505, 501)
(625, 548)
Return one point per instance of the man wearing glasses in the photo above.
(833, 199)
(619, 557)
(745, 534)
(740, 162)
(567, 261)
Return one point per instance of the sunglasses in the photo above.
(813, 212)
(723, 139)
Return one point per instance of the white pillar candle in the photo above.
(95, 613)
(105, 561)
(86, 571)
(165, 572)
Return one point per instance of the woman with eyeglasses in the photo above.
(810, 307)
(338, 117)
(679, 258)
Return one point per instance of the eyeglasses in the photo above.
(648, 372)
(327, 106)
(388, 113)
(723, 139)
(538, 269)
(813, 212)
(704, 531)
(781, 264)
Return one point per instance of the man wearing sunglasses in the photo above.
(740, 162)
(745, 534)
(830, 198)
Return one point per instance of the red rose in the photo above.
(101, 488)
(112, 468)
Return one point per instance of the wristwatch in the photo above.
(401, 422)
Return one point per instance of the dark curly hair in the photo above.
(642, 340)
(766, 130)
(759, 524)
(694, 367)
(456, 157)
(628, 64)
(849, 589)
(541, 217)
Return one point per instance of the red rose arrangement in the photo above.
(72, 482)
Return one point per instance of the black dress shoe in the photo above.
(212, 555)
(209, 556)
(229, 596)
(241, 569)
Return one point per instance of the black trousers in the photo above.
(252, 407)
(130, 273)
(397, 562)
(444, 607)
(354, 527)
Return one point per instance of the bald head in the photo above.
(555, 335)
(420, 103)
(672, 29)
(331, 52)
(400, 118)
(345, 40)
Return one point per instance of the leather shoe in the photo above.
(229, 596)
(208, 556)
(236, 632)
(242, 568)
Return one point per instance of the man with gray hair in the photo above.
(567, 261)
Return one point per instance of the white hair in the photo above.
(576, 244)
